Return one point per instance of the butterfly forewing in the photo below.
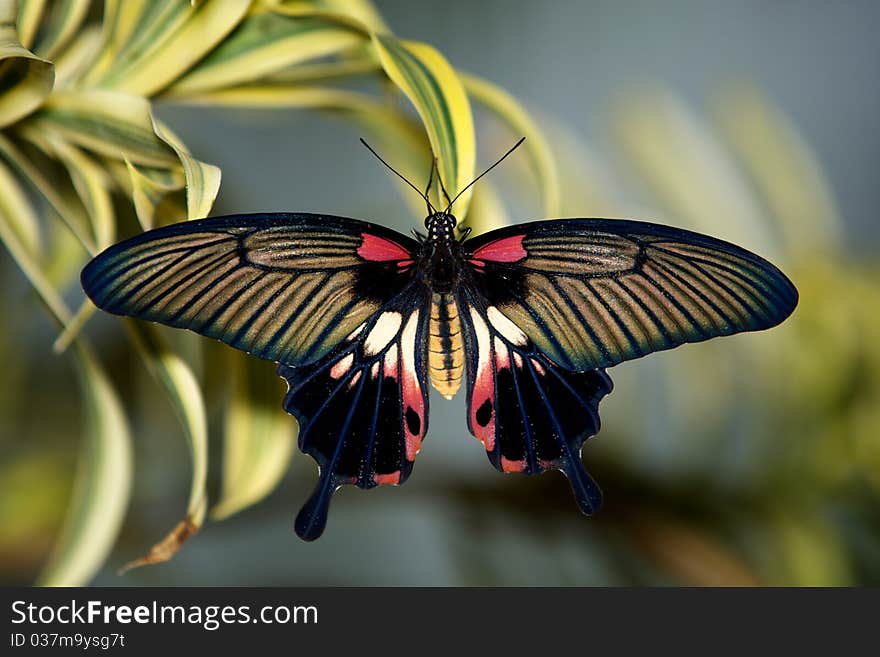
(285, 287)
(594, 293)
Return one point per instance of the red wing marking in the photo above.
(413, 401)
(390, 478)
(484, 384)
(507, 249)
(379, 249)
(512, 466)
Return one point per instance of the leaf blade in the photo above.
(263, 44)
(103, 484)
(258, 437)
(433, 87)
(28, 79)
(172, 38)
(185, 395)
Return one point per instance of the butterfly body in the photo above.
(361, 320)
(443, 259)
(445, 346)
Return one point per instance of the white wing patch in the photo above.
(382, 333)
(505, 327)
(341, 368)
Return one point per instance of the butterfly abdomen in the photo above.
(445, 351)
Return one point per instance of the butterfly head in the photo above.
(441, 226)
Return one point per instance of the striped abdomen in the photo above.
(445, 352)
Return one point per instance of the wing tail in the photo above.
(312, 517)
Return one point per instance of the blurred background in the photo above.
(753, 459)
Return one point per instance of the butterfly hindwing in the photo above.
(530, 414)
(284, 287)
(595, 292)
(363, 408)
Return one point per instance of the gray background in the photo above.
(570, 60)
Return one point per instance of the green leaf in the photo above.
(430, 83)
(26, 80)
(59, 25)
(394, 131)
(265, 43)
(182, 388)
(121, 19)
(70, 213)
(103, 482)
(259, 436)
(508, 109)
(363, 11)
(93, 186)
(202, 180)
(433, 87)
(30, 14)
(168, 38)
(149, 188)
(76, 59)
(114, 124)
(20, 218)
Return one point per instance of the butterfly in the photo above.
(362, 319)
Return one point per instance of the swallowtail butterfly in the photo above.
(361, 319)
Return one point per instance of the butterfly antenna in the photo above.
(471, 183)
(399, 175)
(443, 187)
(428, 188)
